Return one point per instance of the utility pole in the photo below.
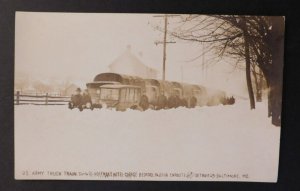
(165, 47)
(165, 42)
(203, 63)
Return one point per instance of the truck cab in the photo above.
(94, 91)
(152, 92)
(118, 96)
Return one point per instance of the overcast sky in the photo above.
(77, 46)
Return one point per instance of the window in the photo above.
(109, 94)
(197, 92)
(130, 94)
(177, 92)
(123, 95)
(127, 94)
(136, 95)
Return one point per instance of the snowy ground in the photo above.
(206, 143)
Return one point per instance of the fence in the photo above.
(46, 99)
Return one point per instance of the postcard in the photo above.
(152, 97)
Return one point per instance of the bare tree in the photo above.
(21, 85)
(250, 40)
(41, 87)
(258, 82)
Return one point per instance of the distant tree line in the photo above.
(37, 86)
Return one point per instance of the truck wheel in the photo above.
(178, 102)
(193, 102)
(134, 107)
(184, 103)
(172, 102)
(71, 105)
(144, 103)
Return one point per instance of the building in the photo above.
(130, 64)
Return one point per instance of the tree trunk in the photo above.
(260, 87)
(276, 42)
(275, 101)
(248, 67)
(258, 84)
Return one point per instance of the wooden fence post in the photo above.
(18, 97)
(46, 98)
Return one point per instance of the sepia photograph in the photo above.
(151, 97)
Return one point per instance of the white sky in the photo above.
(77, 46)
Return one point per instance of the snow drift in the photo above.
(219, 139)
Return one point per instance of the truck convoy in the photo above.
(123, 91)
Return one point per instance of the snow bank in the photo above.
(219, 139)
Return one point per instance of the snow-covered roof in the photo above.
(130, 64)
